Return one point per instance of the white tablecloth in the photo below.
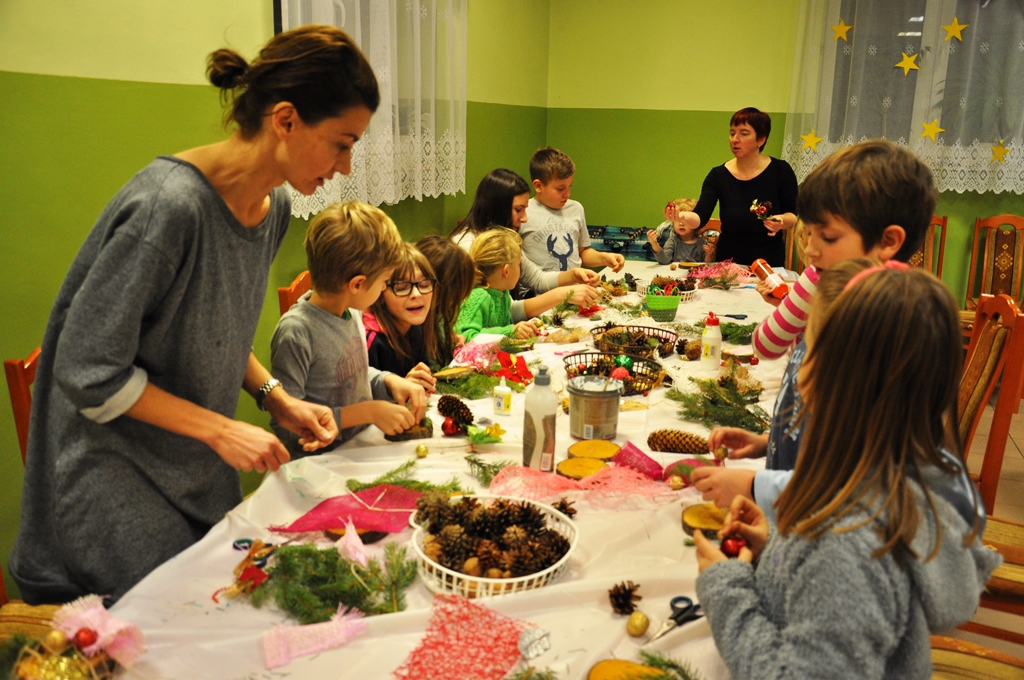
(188, 635)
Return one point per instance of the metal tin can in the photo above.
(594, 407)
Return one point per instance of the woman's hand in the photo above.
(774, 224)
(670, 212)
(582, 296)
(747, 519)
(721, 485)
(314, 423)
(409, 395)
(585, 276)
(248, 447)
(525, 329)
(741, 443)
(708, 553)
(422, 376)
(614, 260)
(709, 252)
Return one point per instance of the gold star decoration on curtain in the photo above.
(841, 30)
(931, 129)
(954, 30)
(999, 152)
(908, 63)
(810, 141)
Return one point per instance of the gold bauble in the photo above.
(422, 451)
(676, 482)
(65, 668)
(637, 623)
(55, 641)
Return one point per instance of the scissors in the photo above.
(683, 611)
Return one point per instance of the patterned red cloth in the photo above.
(385, 507)
(465, 640)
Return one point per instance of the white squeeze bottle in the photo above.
(502, 399)
(539, 424)
(711, 344)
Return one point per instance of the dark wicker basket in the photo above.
(644, 375)
(634, 340)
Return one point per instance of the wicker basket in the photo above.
(645, 374)
(605, 340)
(663, 307)
(442, 580)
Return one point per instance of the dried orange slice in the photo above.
(599, 449)
(578, 468)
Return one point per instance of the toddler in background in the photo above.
(497, 254)
(401, 331)
(444, 255)
(555, 235)
(867, 558)
(676, 241)
(318, 350)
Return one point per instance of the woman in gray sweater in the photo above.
(133, 448)
(867, 560)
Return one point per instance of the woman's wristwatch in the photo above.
(265, 389)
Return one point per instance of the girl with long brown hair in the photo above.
(869, 555)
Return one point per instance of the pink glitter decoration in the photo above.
(719, 269)
(465, 640)
(385, 507)
(121, 640)
(281, 644)
(610, 487)
(479, 355)
(632, 457)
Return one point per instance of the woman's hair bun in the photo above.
(226, 69)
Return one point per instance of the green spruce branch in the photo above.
(483, 471)
(403, 476)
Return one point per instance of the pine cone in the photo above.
(515, 535)
(456, 547)
(489, 554)
(531, 518)
(623, 596)
(677, 441)
(434, 511)
(564, 506)
(452, 407)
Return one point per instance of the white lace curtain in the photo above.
(415, 145)
(943, 77)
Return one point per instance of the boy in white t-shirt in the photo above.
(555, 236)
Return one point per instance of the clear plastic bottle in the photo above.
(502, 399)
(539, 424)
(764, 271)
(711, 344)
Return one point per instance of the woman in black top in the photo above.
(737, 184)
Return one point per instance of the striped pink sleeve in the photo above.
(773, 336)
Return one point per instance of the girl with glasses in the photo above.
(401, 327)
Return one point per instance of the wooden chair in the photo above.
(996, 352)
(925, 256)
(21, 373)
(795, 242)
(996, 259)
(953, 658)
(289, 295)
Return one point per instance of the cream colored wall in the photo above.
(154, 41)
(685, 55)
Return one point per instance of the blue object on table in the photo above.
(683, 611)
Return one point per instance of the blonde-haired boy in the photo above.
(318, 350)
(555, 236)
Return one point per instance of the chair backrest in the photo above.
(289, 295)
(934, 239)
(996, 351)
(795, 242)
(996, 258)
(21, 373)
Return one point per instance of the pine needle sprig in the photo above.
(672, 669)
(483, 471)
(736, 333)
(716, 404)
(531, 673)
(309, 584)
(403, 476)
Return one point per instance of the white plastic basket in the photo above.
(641, 287)
(687, 296)
(442, 580)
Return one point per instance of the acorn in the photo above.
(637, 623)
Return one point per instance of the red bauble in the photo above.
(84, 637)
(620, 373)
(754, 361)
(731, 545)
(450, 427)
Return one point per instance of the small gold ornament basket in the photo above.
(444, 581)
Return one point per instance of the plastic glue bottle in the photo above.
(711, 344)
(502, 399)
(539, 424)
(765, 272)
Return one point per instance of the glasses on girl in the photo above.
(404, 288)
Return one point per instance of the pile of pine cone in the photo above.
(504, 539)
